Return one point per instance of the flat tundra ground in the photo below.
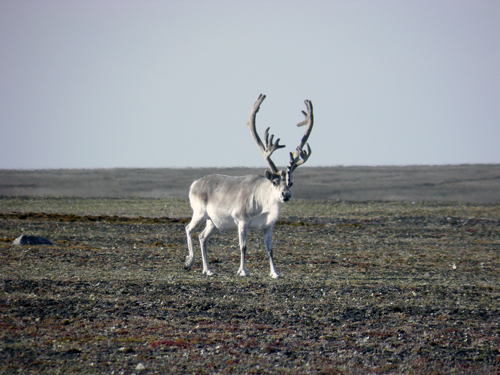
(366, 287)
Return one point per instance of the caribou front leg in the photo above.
(268, 237)
(242, 236)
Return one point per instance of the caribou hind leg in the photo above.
(204, 237)
(195, 221)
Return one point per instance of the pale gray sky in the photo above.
(100, 84)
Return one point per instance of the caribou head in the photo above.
(282, 179)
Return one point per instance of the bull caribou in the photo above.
(249, 202)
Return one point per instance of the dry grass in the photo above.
(367, 287)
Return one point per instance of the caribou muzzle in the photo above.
(286, 196)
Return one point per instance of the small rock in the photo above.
(31, 240)
(140, 367)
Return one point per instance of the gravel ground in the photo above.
(366, 287)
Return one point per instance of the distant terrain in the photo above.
(478, 183)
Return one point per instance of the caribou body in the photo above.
(245, 203)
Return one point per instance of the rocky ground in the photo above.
(366, 287)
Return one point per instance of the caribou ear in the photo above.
(273, 177)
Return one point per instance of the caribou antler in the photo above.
(300, 156)
(269, 147)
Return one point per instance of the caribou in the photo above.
(246, 203)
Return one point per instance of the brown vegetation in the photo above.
(367, 287)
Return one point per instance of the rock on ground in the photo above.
(31, 240)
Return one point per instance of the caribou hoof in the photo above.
(209, 273)
(189, 262)
(242, 272)
(275, 275)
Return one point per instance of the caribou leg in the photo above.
(242, 235)
(268, 237)
(195, 221)
(204, 237)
